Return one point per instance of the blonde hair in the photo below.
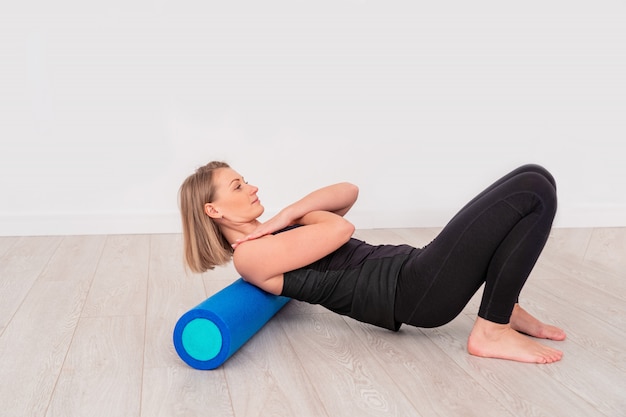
(204, 244)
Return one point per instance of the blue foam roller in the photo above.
(210, 333)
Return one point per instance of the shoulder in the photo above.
(264, 258)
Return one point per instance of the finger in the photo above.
(244, 239)
(255, 235)
(238, 242)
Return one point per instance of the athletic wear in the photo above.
(357, 280)
(494, 240)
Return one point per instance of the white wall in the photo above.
(106, 108)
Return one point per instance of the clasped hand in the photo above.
(278, 222)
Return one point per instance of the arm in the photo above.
(263, 261)
(336, 198)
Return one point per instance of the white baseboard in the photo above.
(153, 223)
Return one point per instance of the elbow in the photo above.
(347, 229)
(349, 195)
(352, 190)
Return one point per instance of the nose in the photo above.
(253, 189)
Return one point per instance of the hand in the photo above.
(278, 222)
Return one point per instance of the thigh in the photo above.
(436, 284)
(528, 168)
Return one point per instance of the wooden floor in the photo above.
(86, 330)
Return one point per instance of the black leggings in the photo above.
(495, 239)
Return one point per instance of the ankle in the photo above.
(488, 329)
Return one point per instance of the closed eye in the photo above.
(239, 183)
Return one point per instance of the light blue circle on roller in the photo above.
(202, 339)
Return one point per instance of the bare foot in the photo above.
(501, 341)
(524, 322)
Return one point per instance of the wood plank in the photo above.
(605, 307)
(75, 260)
(36, 341)
(172, 291)
(295, 307)
(34, 346)
(570, 242)
(591, 378)
(223, 273)
(120, 285)
(170, 387)
(347, 379)
(599, 349)
(584, 329)
(265, 377)
(607, 248)
(425, 374)
(590, 273)
(418, 237)
(380, 236)
(20, 266)
(184, 392)
(575, 288)
(307, 360)
(6, 243)
(523, 389)
(103, 370)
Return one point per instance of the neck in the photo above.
(232, 232)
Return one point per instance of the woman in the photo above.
(307, 252)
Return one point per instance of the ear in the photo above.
(211, 211)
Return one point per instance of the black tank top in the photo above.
(357, 280)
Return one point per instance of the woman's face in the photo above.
(235, 200)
